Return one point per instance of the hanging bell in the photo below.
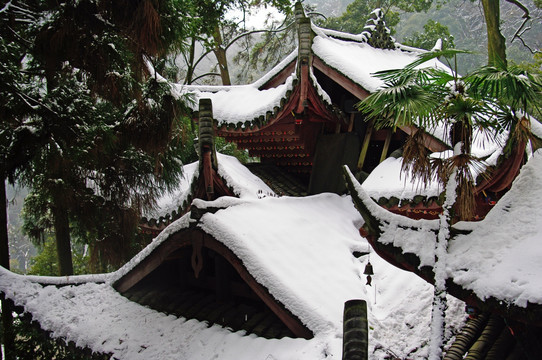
(368, 271)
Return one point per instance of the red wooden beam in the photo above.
(340, 79)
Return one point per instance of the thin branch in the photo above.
(315, 13)
(256, 32)
(204, 75)
(526, 18)
(280, 29)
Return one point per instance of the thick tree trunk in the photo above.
(7, 320)
(220, 54)
(496, 43)
(62, 236)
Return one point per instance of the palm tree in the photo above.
(492, 99)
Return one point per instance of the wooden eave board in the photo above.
(280, 77)
(340, 79)
(189, 237)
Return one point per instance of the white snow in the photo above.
(298, 248)
(239, 103)
(500, 258)
(244, 184)
(387, 180)
(359, 61)
(172, 200)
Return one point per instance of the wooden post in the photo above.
(386, 146)
(355, 330)
(206, 145)
(304, 59)
(351, 123)
(365, 146)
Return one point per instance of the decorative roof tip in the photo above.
(299, 11)
(377, 33)
(438, 45)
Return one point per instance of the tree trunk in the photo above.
(190, 70)
(496, 43)
(7, 320)
(62, 236)
(220, 54)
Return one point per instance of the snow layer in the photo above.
(387, 180)
(240, 103)
(276, 239)
(501, 257)
(359, 61)
(244, 184)
(299, 248)
(172, 200)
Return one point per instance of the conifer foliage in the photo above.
(83, 123)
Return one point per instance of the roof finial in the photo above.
(377, 33)
(298, 10)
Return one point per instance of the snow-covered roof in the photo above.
(244, 184)
(300, 249)
(349, 54)
(499, 257)
(508, 241)
(359, 61)
(388, 180)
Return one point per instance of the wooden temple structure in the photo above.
(312, 128)
(303, 135)
(307, 137)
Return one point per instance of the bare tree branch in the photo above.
(522, 29)
(204, 75)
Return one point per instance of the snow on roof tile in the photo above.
(501, 257)
(388, 180)
(300, 249)
(243, 183)
(359, 61)
(238, 103)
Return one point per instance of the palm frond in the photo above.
(402, 101)
(416, 158)
(431, 55)
(511, 86)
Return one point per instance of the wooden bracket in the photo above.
(197, 258)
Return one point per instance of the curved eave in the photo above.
(372, 230)
(197, 190)
(196, 237)
(266, 117)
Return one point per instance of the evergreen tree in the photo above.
(432, 32)
(83, 123)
